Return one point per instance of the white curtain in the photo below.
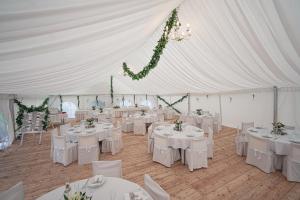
(5, 112)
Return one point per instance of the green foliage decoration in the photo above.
(24, 109)
(172, 104)
(158, 50)
(111, 90)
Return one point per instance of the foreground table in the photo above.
(113, 188)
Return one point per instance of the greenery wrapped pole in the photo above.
(61, 102)
(22, 109)
(111, 90)
(78, 102)
(158, 50)
(97, 101)
(172, 104)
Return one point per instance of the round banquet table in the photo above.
(113, 188)
(179, 139)
(280, 144)
(148, 118)
(102, 130)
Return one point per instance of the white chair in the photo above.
(154, 189)
(161, 117)
(127, 125)
(139, 127)
(207, 122)
(291, 164)
(108, 168)
(217, 123)
(114, 144)
(53, 132)
(241, 143)
(259, 154)
(64, 153)
(210, 143)
(16, 192)
(196, 154)
(162, 153)
(150, 135)
(64, 128)
(88, 149)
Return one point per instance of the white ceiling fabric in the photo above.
(72, 47)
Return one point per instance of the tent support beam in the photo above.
(275, 104)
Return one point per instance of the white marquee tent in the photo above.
(238, 51)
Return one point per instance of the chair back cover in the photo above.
(63, 128)
(295, 152)
(210, 133)
(88, 140)
(246, 125)
(16, 192)
(198, 145)
(160, 142)
(258, 144)
(111, 168)
(59, 142)
(154, 189)
(138, 121)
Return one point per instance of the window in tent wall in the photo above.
(70, 108)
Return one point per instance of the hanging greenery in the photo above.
(172, 104)
(158, 50)
(111, 90)
(24, 109)
(97, 101)
(78, 102)
(61, 102)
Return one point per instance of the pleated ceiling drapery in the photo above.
(72, 47)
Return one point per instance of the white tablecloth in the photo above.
(179, 139)
(279, 143)
(103, 130)
(148, 118)
(113, 188)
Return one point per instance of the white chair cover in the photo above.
(115, 143)
(64, 128)
(196, 155)
(291, 164)
(162, 153)
(217, 123)
(150, 136)
(16, 192)
(246, 125)
(210, 143)
(88, 148)
(64, 153)
(161, 117)
(241, 143)
(207, 122)
(154, 189)
(53, 132)
(139, 127)
(111, 168)
(127, 125)
(260, 155)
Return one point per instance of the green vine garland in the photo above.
(78, 101)
(22, 109)
(172, 104)
(111, 90)
(61, 102)
(158, 50)
(97, 101)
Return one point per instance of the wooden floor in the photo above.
(227, 176)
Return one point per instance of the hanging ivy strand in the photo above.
(111, 90)
(61, 103)
(172, 104)
(24, 109)
(158, 50)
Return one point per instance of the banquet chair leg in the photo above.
(22, 137)
(40, 140)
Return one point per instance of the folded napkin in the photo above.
(138, 195)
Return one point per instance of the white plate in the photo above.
(267, 136)
(190, 135)
(295, 141)
(167, 134)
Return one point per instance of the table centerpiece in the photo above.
(199, 111)
(178, 126)
(90, 123)
(278, 128)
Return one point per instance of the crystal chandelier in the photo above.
(179, 33)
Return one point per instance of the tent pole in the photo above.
(275, 104)
(220, 105)
(189, 104)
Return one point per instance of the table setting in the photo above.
(98, 187)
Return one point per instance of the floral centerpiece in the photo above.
(143, 112)
(90, 123)
(199, 111)
(116, 107)
(93, 107)
(178, 126)
(101, 110)
(136, 105)
(278, 128)
(76, 195)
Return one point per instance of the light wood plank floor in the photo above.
(227, 176)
